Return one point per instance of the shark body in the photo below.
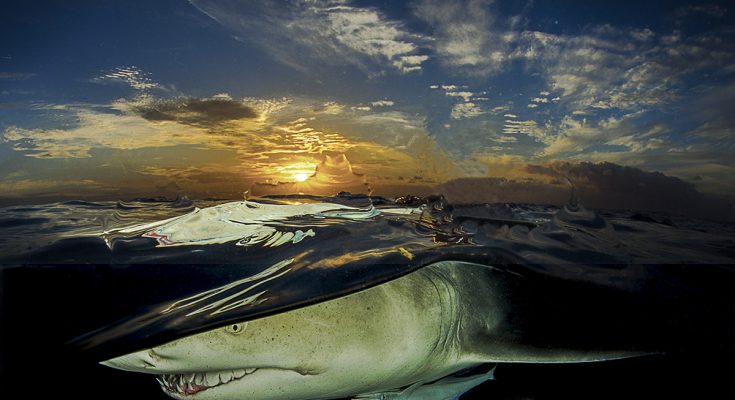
(391, 341)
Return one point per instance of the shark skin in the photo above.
(449, 388)
(412, 332)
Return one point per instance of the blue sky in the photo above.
(213, 97)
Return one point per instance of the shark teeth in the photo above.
(193, 383)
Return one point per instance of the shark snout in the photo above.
(146, 361)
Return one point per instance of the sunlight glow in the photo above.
(301, 177)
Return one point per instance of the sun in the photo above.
(301, 177)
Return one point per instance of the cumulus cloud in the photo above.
(327, 31)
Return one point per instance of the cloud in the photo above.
(408, 64)
(529, 128)
(217, 122)
(609, 177)
(194, 111)
(712, 113)
(468, 108)
(218, 146)
(377, 104)
(97, 130)
(16, 76)
(642, 35)
(711, 10)
(131, 76)
(466, 96)
(330, 107)
(382, 103)
(505, 139)
(499, 109)
(333, 32)
(17, 92)
(604, 67)
(599, 185)
(465, 34)
(465, 110)
(333, 173)
(578, 136)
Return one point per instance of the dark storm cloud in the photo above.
(197, 111)
(502, 190)
(629, 187)
(602, 185)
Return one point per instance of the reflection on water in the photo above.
(543, 231)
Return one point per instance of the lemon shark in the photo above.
(407, 338)
(387, 302)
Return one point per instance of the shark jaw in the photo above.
(182, 385)
(211, 384)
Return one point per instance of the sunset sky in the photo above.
(118, 99)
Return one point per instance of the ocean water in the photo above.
(85, 281)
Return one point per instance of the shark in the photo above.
(431, 334)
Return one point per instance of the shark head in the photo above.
(388, 336)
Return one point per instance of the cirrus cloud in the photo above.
(325, 31)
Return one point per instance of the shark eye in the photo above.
(236, 329)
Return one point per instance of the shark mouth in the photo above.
(193, 383)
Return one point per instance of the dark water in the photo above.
(85, 281)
